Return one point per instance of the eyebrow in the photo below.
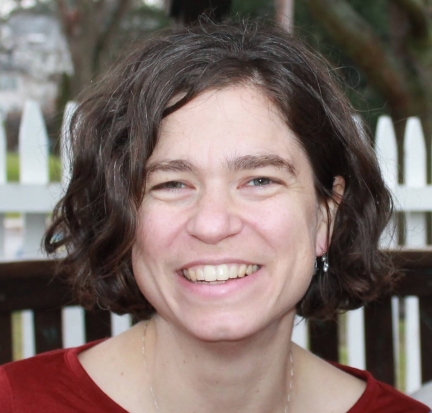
(261, 161)
(175, 165)
(238, 163)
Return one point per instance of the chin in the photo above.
(227, 327)
(222, 332)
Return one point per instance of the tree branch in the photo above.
(122, 7)
(64, 16)
(100, 5)
(418, 15)
(365, 48)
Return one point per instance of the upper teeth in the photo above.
(219, 272)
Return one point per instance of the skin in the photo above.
(228, 183)
(214, 214)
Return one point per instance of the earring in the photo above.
(315, 271)
(325, 262)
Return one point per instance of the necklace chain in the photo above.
(145, 366)
(154, 396)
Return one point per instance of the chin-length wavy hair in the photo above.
(116, 128)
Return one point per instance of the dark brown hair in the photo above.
(115, 129)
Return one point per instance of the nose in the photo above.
(214, 218)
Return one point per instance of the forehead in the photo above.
(227, 123)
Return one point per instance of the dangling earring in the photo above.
(315, 266)
(325, 262)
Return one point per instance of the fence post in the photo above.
(387, 155)
(386, 152)
(415, 176)
(34, 169)
(65, 137)
(72, 317)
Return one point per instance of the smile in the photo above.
(223, 272)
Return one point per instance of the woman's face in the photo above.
(229, 190)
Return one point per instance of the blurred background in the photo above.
(51, 50)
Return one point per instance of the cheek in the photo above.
(157, 231)
(289, 225)
(152, 251)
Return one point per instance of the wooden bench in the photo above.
(31, 285)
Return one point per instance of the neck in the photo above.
(188, 375)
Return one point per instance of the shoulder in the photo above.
(32, 371)
(49, 382)
(5, 392)
(25, 382)
(324, 387)
(346, 389)
(380, 397)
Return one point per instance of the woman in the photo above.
(220, 185)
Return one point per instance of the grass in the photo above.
(12, 165)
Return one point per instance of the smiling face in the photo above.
(230, 225)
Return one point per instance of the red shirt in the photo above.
(55, 382)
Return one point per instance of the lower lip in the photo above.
(219, 290)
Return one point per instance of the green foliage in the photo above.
(362, 95)
(12, 165)
(139, 23)
(55, 168)
(252, 8)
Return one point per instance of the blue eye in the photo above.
(260, 182)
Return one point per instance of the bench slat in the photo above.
(324, 339)
(379, 340)
(5, 337)
(425, 304)
(32, 285)
(48, 330)
(97, 325)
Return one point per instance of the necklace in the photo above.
(154, 396)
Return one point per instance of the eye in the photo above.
(261, 181)
(170, 185)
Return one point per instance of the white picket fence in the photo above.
(34, 196)
(414, 199)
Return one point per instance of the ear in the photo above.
(327, 214)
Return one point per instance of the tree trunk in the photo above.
(285, 14)
(89, 26)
